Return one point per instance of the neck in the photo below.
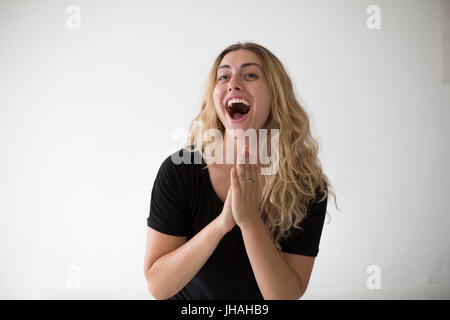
(231, 148)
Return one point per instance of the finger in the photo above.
(254, 173)
(247, 165)
(241, 156)
(257, 179)
(240, 170)
(234, 180)
(253, 159)
(260, 177)
(228, 198)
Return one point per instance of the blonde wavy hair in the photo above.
(299, 179)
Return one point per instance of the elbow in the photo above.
(297, 295)
(154, 288)
(294, 293)
(301, 288)
(302, 292)
(155, 292)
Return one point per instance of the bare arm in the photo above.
(279, 275)
(172, 271)
(171, 262)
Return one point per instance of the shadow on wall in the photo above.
(440, 264)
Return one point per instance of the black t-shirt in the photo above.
(183, 202)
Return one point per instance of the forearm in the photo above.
(170, 273)
(276, 280)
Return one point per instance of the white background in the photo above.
(87, 116)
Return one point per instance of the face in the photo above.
(240, 76)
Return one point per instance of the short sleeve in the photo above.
(306, 241)
(169, 204)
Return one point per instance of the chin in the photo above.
(236, 132)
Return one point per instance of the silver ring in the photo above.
(248, 179)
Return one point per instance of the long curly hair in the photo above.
(299, 179)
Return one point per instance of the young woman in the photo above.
(224, 230)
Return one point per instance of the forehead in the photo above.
(238, 57)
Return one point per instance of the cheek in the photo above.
(268, 106)
(268, 101)
(217, 100)
(216, 97)
(263, 113)
(265, 104)
(216, 105)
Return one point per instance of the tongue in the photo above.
(237, 115)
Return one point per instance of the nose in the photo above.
(234, 84)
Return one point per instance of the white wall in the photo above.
(86, 117)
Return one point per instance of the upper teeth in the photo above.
(231, 101)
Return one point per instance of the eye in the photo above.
(252, 74)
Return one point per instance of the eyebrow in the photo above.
(248, 64)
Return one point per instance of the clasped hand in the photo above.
(244, 195)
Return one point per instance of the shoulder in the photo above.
(317, 207)
(183, 164)
(186, 156)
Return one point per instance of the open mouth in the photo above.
(237, 108)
